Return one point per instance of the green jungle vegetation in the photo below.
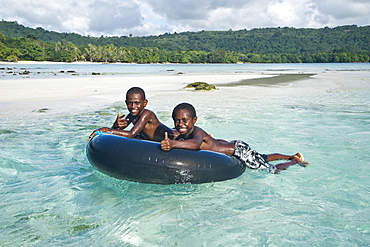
(261, 45)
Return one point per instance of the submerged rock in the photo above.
(26, 72)
(201, 86)
(42, 110)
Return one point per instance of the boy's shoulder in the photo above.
(147, 115)
(147, 112)
(200, 130)
(144, 112)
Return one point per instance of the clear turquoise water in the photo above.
(51, 196)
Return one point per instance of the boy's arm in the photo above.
(193, 143)
(136, 129)
(140, 124)
(110, 130)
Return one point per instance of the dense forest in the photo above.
(265, 45)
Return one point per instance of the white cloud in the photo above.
(153, 17)
(342, 12)
(180, 9)
(108, 16)
(340, 9)
(287, 12)
(76, 24)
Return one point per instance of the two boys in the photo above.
(186, 135)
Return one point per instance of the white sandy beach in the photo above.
(22, 96)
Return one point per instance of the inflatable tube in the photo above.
(145, 162)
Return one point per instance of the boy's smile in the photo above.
(135, 104)
(184, 122)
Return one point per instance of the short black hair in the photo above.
(136, 90)
(185, 106)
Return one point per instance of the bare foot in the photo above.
(299, 159)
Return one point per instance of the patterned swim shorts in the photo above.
(252, 158)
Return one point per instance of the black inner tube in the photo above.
(145, 162)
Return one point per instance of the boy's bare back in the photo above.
(150, 126)
(210, 143)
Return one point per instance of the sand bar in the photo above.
(20, 96)
(64, 94)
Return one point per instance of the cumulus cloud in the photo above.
(153, 17)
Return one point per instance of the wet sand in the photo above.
(268, 81)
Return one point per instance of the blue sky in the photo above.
(154, 17)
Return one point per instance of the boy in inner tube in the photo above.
(145, 123)
(193, 137)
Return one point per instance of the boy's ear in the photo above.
(145, 102)
(195, 120)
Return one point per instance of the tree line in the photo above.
(285, 40)
(14, 49)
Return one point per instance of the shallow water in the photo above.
(75, 70)
(51, 196)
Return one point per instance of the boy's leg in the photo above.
(284, 166)
(295, 159)
(277, 156)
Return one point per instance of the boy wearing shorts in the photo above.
(193, 137)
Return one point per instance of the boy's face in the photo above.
(135, 103)
(184, 122)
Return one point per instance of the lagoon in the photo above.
(52, 196)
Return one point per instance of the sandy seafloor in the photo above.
(51, 196)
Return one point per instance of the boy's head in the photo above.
(185, 106)
(136, 90)
(135, 100)
(184, 117)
